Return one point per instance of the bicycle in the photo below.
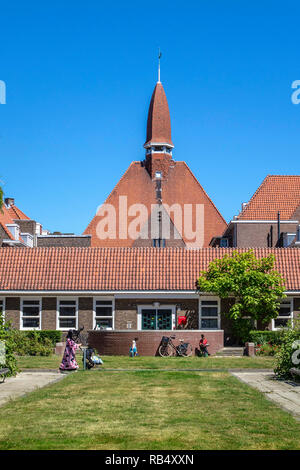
(168, 348)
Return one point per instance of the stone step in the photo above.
(231, 351)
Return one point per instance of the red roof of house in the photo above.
(159, 122)
(8, 215)
(276, 193)
(123, 269)
(180, 187)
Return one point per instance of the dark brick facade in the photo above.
(64, 241)
(148, 342)
(49, 313)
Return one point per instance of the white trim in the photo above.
(28, 299)
(110, 299)
(211, 298)
(73, 299)
(2, 299)
(151, 307)
(263, 221)
(290, 317)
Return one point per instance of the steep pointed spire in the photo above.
(159, 122)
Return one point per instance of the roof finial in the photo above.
(159, 56)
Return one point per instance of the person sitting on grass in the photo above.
(203, 344)
(68, 361)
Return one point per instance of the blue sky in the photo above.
(80, 75)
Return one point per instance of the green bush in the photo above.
(267, 349)
(30, 343)
(284, 355)
(6, 336)
(263, 337)
(53, 335)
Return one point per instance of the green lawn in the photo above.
(125, 362)
(147, 410)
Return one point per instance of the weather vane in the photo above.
(159, 56)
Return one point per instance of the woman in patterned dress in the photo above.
(68, 360)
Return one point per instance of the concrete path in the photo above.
(285, 394)
(26, 382)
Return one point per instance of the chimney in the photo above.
(9, 201)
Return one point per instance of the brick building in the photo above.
(270, 219)
(18, 230)
(166, 189)
(138, 292)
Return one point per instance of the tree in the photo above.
(253, 283)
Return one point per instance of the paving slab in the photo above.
(26, 382)
(286, 394)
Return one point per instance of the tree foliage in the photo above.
(6, 338)
(253, 282)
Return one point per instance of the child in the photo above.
(133, 350)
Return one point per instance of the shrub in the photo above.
(267, 349)
(53, 335)
(284, 355)
(6, 336)
(30, 343)
(262, 337)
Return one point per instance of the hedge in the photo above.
(53, 335)
(266, 336)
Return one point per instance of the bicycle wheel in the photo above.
(188, 352)
(165, 350)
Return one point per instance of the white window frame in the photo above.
(200, 316)
(28, 299)
(2, 299)
(290, 317)
(103, 298)
(71, 299)
(152, 307)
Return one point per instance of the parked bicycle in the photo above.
(168, 348)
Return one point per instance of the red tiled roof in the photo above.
(114, 269)
(180, 187)
(159, 122)
(8, 215)
(276, 193)
(16, 213)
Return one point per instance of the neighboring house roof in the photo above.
(16, 213)
(123, 269)
(276, 193)
(8, 215)
(180, 187)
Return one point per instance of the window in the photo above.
(158, 174)
(285, 314)
(288, 239)
(103, 314)
(161, 318)
(159, 243)
(224, 243)
(67, 314)
(30, 314)
(209, 314)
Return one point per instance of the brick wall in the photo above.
(119, 342)
(12, 311)
(58, 241)
(85, 312)
(49, 313)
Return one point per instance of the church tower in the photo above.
(154, 192)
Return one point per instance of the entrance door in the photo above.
(156, 318)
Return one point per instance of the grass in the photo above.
(147, 410)
(124, 362)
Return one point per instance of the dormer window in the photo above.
(158, 175)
